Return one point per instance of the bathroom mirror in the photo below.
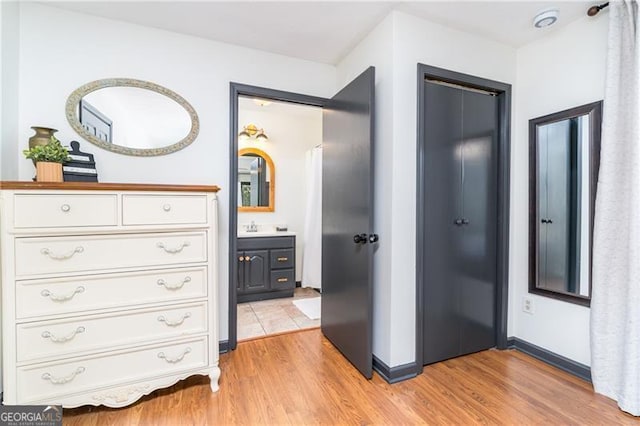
(132, 117)
(564, 160)
(256, 181)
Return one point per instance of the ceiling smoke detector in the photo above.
(546, 18)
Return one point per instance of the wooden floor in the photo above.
(300, 379)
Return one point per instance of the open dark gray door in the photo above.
(347, 221)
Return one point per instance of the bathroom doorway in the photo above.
(348, 236)
(279, 227)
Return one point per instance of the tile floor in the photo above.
(266, 317)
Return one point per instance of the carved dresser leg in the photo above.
(214, 375)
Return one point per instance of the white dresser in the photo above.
(109, 291)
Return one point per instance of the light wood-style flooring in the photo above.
(300, 378)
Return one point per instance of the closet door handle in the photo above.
(458, 222)
(465, 221)
(373, 238)
(360, 238)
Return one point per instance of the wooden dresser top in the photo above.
(99, 186)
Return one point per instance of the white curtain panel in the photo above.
(615, 304)
(312, 249)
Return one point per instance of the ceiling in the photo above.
(326, 31)
(287, 109)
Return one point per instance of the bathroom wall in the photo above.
(293, 130)
(396, 46)
(61, 50)
(560, 71)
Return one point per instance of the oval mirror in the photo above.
(132, 117)
(256, 181)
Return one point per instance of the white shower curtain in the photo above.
(312, 249)
(615, 304)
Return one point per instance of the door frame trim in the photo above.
(503, 91)
(236, 90)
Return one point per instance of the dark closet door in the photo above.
(460, 263)
(443, 203)
(478, 252)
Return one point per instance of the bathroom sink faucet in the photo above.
(253, 227)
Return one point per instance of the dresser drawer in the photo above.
(62, 210)
(55, 255)
(75, 335)
(46, 382)
(283, 279)
(281, 258)
(35, 298)
(164, 209)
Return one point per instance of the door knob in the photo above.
(360, 238)
(373, 238)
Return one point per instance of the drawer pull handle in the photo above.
(283, 280)
(166, 207)
(63, 339)
(69, 255)
(65, 208)
(64, 298)
(248, 259)
(283, 259)
(175, 360)
(174, 250)
(62, 380)
(174, 286)
(241, 258)
(176, 322)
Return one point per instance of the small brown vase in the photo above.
(42, 136)
(48, 172)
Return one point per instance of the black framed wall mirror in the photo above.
(564, 158)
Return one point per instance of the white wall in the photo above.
(377, 50)
(291, 136)
(61, 50)
(413, 41)
(9, 48)
(561, 71)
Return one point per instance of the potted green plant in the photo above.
(48, 159)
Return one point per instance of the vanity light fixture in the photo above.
(546, 18)
(252, 131)
(261, 102)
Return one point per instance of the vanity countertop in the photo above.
(269, 233)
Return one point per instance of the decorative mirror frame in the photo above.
(594, 110)
(74, 100)
(272, 183)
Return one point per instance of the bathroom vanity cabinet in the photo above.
(266, 268)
